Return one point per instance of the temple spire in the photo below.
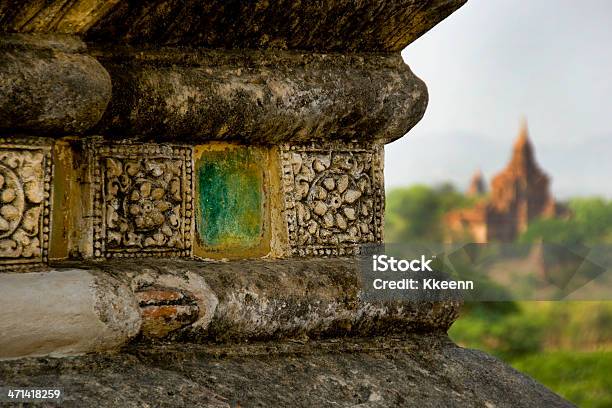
(523, 135)
(477, 184)
(523, 158)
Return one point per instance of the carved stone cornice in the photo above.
(95, 307)
(259, 97)
(49, 86)
(330, 25)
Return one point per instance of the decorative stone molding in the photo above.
(259, 97)
(334, 197)
(130, 199)
(49, 85)
(369, 25)
(142, 200)
(25, 202)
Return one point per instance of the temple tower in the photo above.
(519, 194)
(477, 185)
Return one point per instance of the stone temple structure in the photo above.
(519, 194)
(184, 186)
(477, 185)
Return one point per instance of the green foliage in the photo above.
(553, 231)
(414, 214)
(581, 377)
(590, 222)
(510, 330)
(502, 331)
(594, 215)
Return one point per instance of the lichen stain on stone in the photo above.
(183, 98)
(231, 202)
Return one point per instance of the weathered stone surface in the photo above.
(170, 301)
(424, 370)
(48, 86)
(25, 202)
(102, 306)
(267, 299)
(142, 200)
(330, 25)
(164, 310)
(64, 312)
(156, 296)
(334, 197)
(260, 97)
(72, 17)
(159, 320)
(345, 25)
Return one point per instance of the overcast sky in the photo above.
(494, 61)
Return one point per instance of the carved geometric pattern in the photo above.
(25, 202)
(142, 200)
(334, 198)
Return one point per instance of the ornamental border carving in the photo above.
(334, 242)
(146, 199)
(36, 211)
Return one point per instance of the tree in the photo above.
(591, 222)
(414, 214)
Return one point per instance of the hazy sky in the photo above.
(493, 61)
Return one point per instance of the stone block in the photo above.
(25, 202)
(217, 200)
(334, 197)
(142, 200)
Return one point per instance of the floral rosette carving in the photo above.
(144, 201)
(334, 200)
(21, 198)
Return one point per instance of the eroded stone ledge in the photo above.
(49, 86)
(52, 85)
(94, 307)
(259, 97)
(264, 299)
(425, 370)
(330, 25)
(64, 312)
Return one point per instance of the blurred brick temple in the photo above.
(519, 194)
